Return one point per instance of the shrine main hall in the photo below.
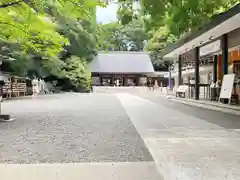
(129, 68)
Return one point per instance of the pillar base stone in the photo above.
(6, 118)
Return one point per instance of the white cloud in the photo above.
(108, 14)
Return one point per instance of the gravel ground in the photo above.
(68, 128)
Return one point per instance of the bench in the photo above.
(181, 91)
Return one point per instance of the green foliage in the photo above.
(82, 42)
(117, 37)
(81, 49)
(166, 21)
(185, 17)
(50, 37)
(124, 13)
(26, 22)
(135, 34)
(159, 41)
(76, 71)
(32, 31)
(110, 37)
(179, 16)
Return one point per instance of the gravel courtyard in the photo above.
(116, 136)
(69, 128)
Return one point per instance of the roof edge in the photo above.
(122, 52)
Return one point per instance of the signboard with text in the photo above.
(227, 87)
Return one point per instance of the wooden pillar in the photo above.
(170, 79)
(112, 80)
(125, 77)
(138, 80)
(196, 58)
(179, 70)
(101, 81)
(215, 77)
(224, 45)
(219, 67)
(215, 61)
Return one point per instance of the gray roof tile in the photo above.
(122, 62)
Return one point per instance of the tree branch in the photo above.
(11, 4)
(23, 30)
(79, 6)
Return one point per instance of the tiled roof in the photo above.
(122, 62)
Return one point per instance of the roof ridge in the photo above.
(122, 52)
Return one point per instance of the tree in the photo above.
(32, 31)
(70, 67)
(135, 34)
(179, 16)
(50, 37)
(27, 23)
(117, 37)
(161, 38)
(125, 11)
(81, 50)
(168, 20)
(184, 17)
(76, 71)
(110, 37)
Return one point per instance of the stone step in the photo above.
(230, 109)
(85, 171)
(213, 103)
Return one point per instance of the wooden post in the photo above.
(215, 68)
(224, 44)
(101, 81)
(179, 70)
(112, 80)
(196, 58)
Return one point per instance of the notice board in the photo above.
(227, 87)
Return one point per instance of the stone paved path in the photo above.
(186, 142)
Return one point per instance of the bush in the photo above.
(77, 72)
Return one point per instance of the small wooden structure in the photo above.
(14, 86)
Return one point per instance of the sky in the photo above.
(108, 14)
